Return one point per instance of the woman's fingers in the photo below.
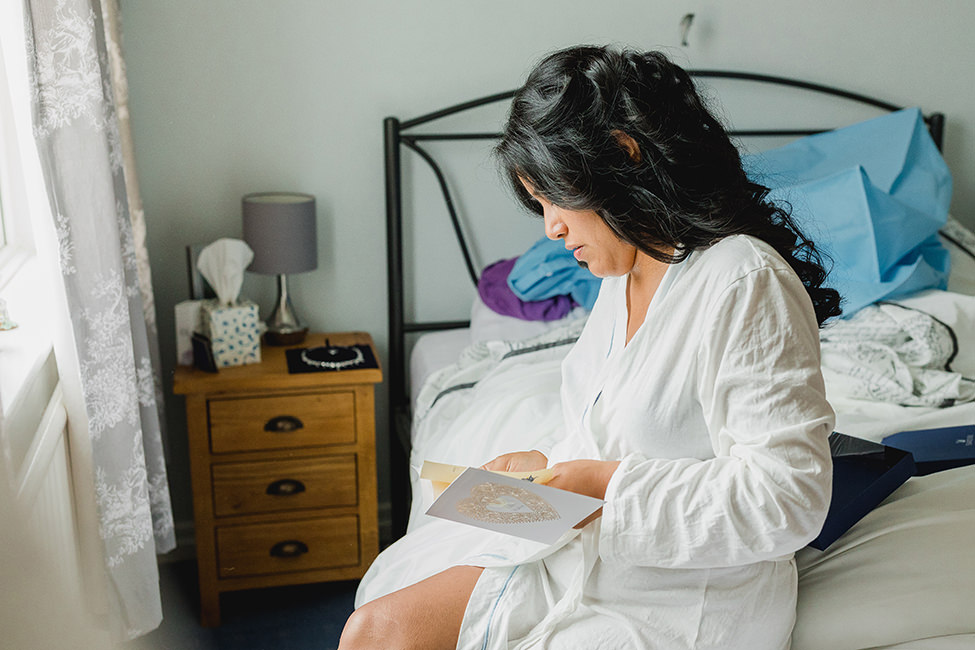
(519, 461)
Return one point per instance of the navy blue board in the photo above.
(864, 474)
(935, 450)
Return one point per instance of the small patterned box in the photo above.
(234, 332)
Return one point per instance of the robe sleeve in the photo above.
(766, 492)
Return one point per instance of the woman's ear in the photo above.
(628, 144)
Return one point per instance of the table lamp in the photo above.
(280, 227)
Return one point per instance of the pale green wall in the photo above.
(235, 96)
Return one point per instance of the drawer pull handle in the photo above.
(283, 424)
(285, 487)
(289, 548)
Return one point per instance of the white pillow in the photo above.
(489, 325)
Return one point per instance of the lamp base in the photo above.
(293, 337)
(283, 326)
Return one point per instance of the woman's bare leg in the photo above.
(423, 616)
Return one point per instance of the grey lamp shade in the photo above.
(281, 229)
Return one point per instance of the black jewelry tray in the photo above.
(297, 365)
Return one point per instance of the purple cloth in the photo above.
(496, 294)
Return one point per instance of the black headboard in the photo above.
(400, 134)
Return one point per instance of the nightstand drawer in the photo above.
(282, 547)
(289, 421)
(284, 485)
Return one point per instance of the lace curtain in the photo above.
(82, 133)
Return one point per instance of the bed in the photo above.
(478, 383)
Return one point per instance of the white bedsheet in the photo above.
(432, 352)
(874, 420)
(905, 573)
(893, 353)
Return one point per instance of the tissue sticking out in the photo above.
(222, 263)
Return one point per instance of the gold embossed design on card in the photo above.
(505, 504)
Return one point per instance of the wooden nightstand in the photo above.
(283, 469)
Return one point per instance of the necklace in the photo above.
(337, 362)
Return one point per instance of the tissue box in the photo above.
(234, 332)
(864, 474)
(935, 450)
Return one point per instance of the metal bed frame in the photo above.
(398, 134)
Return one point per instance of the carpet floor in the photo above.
(279, 618)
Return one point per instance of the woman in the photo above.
(693, 401)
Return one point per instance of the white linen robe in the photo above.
(717, 410)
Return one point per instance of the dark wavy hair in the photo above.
(685, 191)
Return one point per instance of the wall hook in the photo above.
(685, 28)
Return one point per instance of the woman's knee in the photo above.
(423, 616)
(369, 627)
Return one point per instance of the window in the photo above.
(7, 152)
(6, 145)
(5, 110)
(16, 240)
(3, 229)
(28, 244)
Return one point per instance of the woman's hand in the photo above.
(518, 461)
(588, 477)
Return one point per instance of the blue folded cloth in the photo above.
(872, 196)
(547, 270)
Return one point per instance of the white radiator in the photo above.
(44, 491)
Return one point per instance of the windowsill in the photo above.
(12, 260)
(27, 374)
